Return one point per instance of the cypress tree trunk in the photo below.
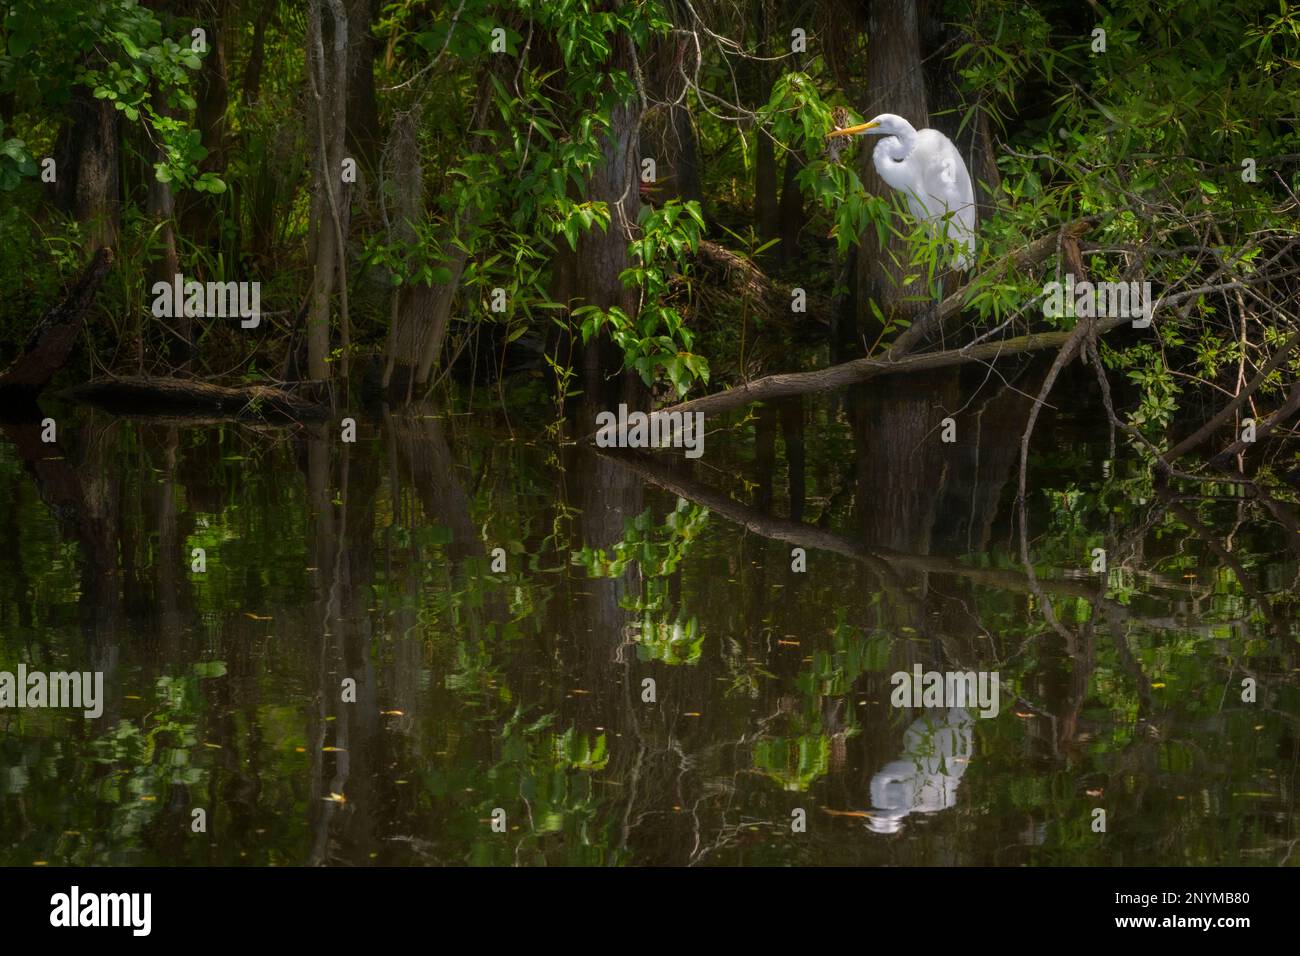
(363, 132)
(160, 206)
(667, 131)
(257, 55)
(791, 215)
(422, 312)
(895, 84)
(974, 142)
(327, 121)
(87, 159)
(591, 275)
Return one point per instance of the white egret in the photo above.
(926, 167)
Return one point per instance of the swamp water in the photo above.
(359, 677)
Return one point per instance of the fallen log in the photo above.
(54, 336)
(170, 395)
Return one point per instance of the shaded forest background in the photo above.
(637, 199)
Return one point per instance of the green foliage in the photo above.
(657, 339)
(121, 52)
(15, 162)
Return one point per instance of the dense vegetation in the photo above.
(529, 209)
(567, 184)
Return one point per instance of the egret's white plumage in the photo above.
(926, 168)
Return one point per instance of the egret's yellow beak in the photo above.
(852, 130)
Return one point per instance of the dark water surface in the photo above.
(523, 690)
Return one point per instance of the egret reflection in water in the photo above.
(937, 749)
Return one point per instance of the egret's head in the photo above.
(886, 124)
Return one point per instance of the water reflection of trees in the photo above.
(478, 689)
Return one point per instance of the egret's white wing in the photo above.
(944, 189)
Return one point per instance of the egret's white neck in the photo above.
(897, 146)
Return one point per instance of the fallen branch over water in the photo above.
(170, 395)
(897, 358)
(932, 321)
(783, 385)
(855, 371)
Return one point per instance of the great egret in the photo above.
(925, 167)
